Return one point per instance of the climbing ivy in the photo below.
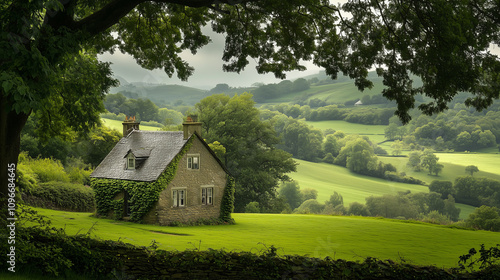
(143, 195)
(227, 203)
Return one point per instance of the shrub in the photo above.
(78, 171)
(358, 209)
(61, 195)
(485, 217)
(310, 206)
(290, 192)
(252, 207)
(26, 179)
(434, 217)
(47, 169)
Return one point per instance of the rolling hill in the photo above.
(162, 94)
(327, 178)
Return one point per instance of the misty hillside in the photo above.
(321, 86)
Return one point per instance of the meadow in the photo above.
(327, 178)
(454, 166)
(339, 237)
(117, 125)
(376, 133)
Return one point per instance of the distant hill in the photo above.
(162, 94)
(322, 87)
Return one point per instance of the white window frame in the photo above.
(207, 195)
(131, 159)
(193, 162)
(179, 197)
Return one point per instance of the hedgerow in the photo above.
(62, 196)
(51, 252)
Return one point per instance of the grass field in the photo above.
(351, 238)
(339, 92)
(454, 166)
(327, 178)
(114, 124)
(374, 132)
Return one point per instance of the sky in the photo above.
(208, 68)
(208, 72)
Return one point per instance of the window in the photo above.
(193, 162)
(207, 196)
(127, 205)
(179, 198)
(130, 161)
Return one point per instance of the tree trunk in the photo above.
(11, 124)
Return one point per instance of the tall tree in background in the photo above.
(48, 60)
(251, 155)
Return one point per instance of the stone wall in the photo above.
(210, 174)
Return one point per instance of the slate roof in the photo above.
(159, 147)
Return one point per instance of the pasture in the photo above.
(454, 166)
(350, 238)
(117, 125)
(376, 133)
(327, 178)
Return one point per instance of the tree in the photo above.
(358, 156)
(309, 194)
(290, 191)
(220, 88)
(112, 102)
(445, 188)
(336, 199)
(430, 161)
(331, 145)
(435, 40)
(397, 146)
(48, 63)
(251, 154)
(463, 141)
(485, 217)
(471, 169)
(169, 117)
(391, 131)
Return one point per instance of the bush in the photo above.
(62, 196)
(358, 209)
(26, 179)
(47, 169)
(252, 207)
(485, 217)
(311, 206)
(434, 217)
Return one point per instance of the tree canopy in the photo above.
(48, 62)
(251, 154)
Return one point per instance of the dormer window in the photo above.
(131, 161)
(136, 158)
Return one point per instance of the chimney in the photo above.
(129, 124)
(190, 126)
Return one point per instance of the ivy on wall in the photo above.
(142, 195)
(227, 203)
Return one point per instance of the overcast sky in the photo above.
(207, 63)
(208, 68)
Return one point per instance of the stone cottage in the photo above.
(161, 177)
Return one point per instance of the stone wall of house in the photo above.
(210, 174)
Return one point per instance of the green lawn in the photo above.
(114, 124)
(351, 238)
(327, 178)
(374, 132)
